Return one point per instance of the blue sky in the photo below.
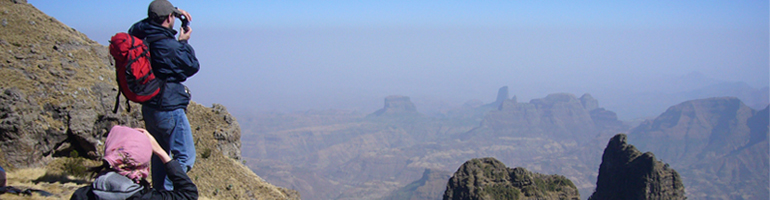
(261, 14)
(298, 55)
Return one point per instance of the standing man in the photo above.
(173, 61)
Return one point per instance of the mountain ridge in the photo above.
(719, 145)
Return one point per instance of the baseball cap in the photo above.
(161, 8)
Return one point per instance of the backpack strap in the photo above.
(117, 100)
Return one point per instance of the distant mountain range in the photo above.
(647, 101)
(349, 156)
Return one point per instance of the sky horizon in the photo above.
(300, 55)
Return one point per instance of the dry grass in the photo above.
(61, 186)
(52, 63)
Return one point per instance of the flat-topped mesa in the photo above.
(627, 173)
(397, 105)
(488, 178)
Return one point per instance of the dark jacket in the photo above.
(115, 186)
(172, 61)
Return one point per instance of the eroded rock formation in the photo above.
(626, 173)
(488, 178)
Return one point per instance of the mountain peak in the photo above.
(626, 173)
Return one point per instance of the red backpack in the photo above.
(132, 67)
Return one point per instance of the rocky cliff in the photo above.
(626, 173)
(57, 94)
(57, 90)
(488, 178)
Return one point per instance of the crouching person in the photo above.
(127, 153)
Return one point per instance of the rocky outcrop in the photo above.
(227, 134)
(57, 96)
(396, 105)
(488, 178)
(626, 173)
(57, 89)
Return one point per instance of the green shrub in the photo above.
(206, 153)
(502, 192)
(75, 165)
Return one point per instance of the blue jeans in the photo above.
(172, 131)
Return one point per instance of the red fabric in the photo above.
(124, 48)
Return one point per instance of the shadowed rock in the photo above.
(626, 173)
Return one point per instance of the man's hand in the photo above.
(186, 14)
(185, 32)
(184, 35)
